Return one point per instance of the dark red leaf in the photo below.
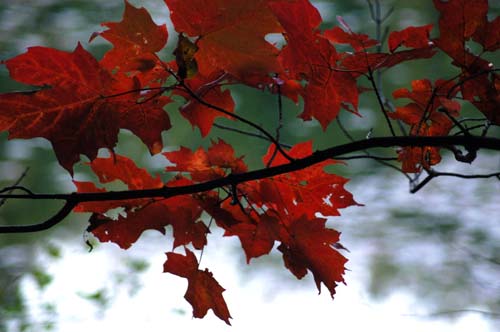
(204, 292)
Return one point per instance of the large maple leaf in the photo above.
(72, 109)
(459, 22)
(203, 292)
(71, 112)
(309, 55)
(135, 41)
(309, 246)
(231, 34)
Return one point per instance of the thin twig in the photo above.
(457, 312)
(367, 153)
(280, 124)
(232, 115)
(431, 174)
(248, 133)
(365, 156)
(15, 186)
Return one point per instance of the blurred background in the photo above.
(430, 260)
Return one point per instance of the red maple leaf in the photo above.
(461, 21)
(310, 247)
(204, 292)
(413, 37)
(136, 39)
(426, 116)
(309, 55)
(231, 35)
(203, 116)
(72, 113)
(357, 41)
(302, 192)
(78, 112)
(206, 165)
(139, 215)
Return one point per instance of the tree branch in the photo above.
(470, 142)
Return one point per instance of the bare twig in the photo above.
(367, 154)
(431, 174)
(200, 100)
(247, 133)
(280, 122)
(15, 186)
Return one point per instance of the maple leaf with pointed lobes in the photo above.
(460, 21)
(426, 118)
(74, 113)
(413, 37)
(357, 41)
(309, 55)
(302, 192)
(204, 292)
(135, 41)
(140, 215)
(231, 35)
(200, 115)
(206, 165)
(309, 246)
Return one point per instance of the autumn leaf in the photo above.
(206, 165)
(200, 115)
(305, 191)
(459, 20)
(72, 113)
(136, 39)
(426, 115)
(310, 247)
(309, 55)
(357, 41)
(139, 215)
(203, 292)
(231, 34)
(413, 37)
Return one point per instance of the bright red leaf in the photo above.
(308, 55)
(357, 41)
(231, 34)
(426, 117)
(139, 215)
(413, 37)
(204, 292)
(203, 165)
(136, 39)
(310, 247)
(200, 115)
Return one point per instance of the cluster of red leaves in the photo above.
(83, 102)
(260, 213)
